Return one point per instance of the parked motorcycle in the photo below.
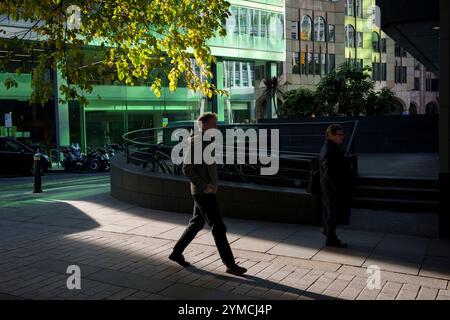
(73, 158)
(92, 161)
(75, 161)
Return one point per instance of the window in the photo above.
(306, 28)
(400, 52)
(349, 8)
(310, 63)
(375, 71)
(375, 42)
(232, 21)
(263, 25)
(323, 64)
(245, 74)
(303, 69)
(401, 74)
(260, 71)
(359, 8)
(243, 21)
(316, 63)
(383, 72)
(416, 84)
(379, 71)
(331, 63)
(358, 63)
(296, 63)
(294, 30)
(416, 65)
(432, 108)
(254, 15)
(319, 29)
(295, 58)
(432, 85)
(313, 64)
(12, 146)
(383, 45)
(360, 38)
(331, 33)
(435, 85)
(349, 36)
(239, 74)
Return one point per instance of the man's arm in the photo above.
(329, 169)
(188, 171)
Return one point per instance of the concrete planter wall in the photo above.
(134, 185)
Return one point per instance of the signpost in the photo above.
(8, 123)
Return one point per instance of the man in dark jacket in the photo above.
(335, 185)
(204, 180)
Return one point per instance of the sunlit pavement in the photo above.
(122, 252)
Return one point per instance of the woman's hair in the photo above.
(333, 129)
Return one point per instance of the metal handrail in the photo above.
(351, 144)
(142, 147)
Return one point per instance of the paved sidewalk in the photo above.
(122, 251)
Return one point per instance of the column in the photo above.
(271, 72)
(220, 101)
(62, 129)
(444, 210)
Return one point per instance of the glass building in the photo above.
(252, 50)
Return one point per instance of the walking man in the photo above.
(335, 185)
(204, 184)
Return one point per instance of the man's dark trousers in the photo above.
(207, 209)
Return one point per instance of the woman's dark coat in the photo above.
(335, 184)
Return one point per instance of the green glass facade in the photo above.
(254, 45)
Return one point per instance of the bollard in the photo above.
(37, 173)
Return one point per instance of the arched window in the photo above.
(399, 109)
(306, 28)
(349, 36)
(432, 108)
(412, 109)
(320, 29)
(376, 41)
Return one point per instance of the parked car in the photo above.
(17, 158)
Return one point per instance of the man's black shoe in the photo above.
(236, 270)
(336, 244)
(179, 259)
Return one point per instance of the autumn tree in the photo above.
(136, 39)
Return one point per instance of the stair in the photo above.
(396, 194)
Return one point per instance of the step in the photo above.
(398, 205)
(396, 193)
(399, 182)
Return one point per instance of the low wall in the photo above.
(376, 134)
(134, 185)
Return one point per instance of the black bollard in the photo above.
(37, 173)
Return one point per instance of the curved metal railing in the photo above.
(300, 145)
